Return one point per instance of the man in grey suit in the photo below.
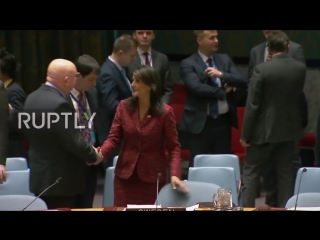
(272, 121)
(148, 56)
(4, 134)
(259, 54)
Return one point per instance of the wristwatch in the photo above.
(221, 75)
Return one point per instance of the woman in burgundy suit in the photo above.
(145, 127)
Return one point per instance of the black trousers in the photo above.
(54, 202)
(215, 138)
(85, 199)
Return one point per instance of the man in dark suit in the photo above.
(57, 150)
(4, 112)
(259, 54)
(272, 122)
(209, 113)
(16, 98)
(148, 56)
(113, 85)
(317, 145)
(85, 104)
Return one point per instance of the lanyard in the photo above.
(7, 84)
(80, 105)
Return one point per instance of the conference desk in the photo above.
(122, 209)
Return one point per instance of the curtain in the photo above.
(35, 49)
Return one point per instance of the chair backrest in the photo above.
(19, 202)
(108, 188)
(17, 183)
(305, 200)
(221, 176)
(308, 180)
(198, 192)
(219, 160)
(115, 159)
(16, 164)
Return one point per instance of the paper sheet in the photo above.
(192, 208)
(143, 206)
(305, 209)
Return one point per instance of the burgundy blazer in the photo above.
(144, 144)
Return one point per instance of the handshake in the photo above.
(99, 157)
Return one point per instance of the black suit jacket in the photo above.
(112, 87)
(296, 52)
(317, 145)
(56, 151)
(199, 92)
(160, 62)
(92, 99)
(274, 101)
(4, 113)
(16, 97)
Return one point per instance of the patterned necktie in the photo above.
(147, 62)
(85, 132)
(213, 103)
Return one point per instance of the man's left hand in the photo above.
(244, 143)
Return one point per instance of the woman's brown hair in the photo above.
(149, 76)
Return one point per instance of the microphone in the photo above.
(296, 203)
(56, 182)
(158, 177)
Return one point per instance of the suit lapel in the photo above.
(116, 69)
(90, 101)
(218, 63)
(156, 64)
(201, 67)
(146, 120)
(135, 118)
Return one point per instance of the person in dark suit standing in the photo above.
(317, 145)
(144, 123)
(57, 150)
(16, 98)
(85, 104)
(209, 113)
(146, 55)
(272, 122)
(113, 85)
(260, 54)
(4, 113)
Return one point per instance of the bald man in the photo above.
(57, 150)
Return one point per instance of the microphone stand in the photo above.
(298, 192)
(159, 175)
(56, 182)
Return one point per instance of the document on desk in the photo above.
(192, 208)
(305, 209)
(143, 206)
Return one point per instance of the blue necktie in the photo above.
(213, 103)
